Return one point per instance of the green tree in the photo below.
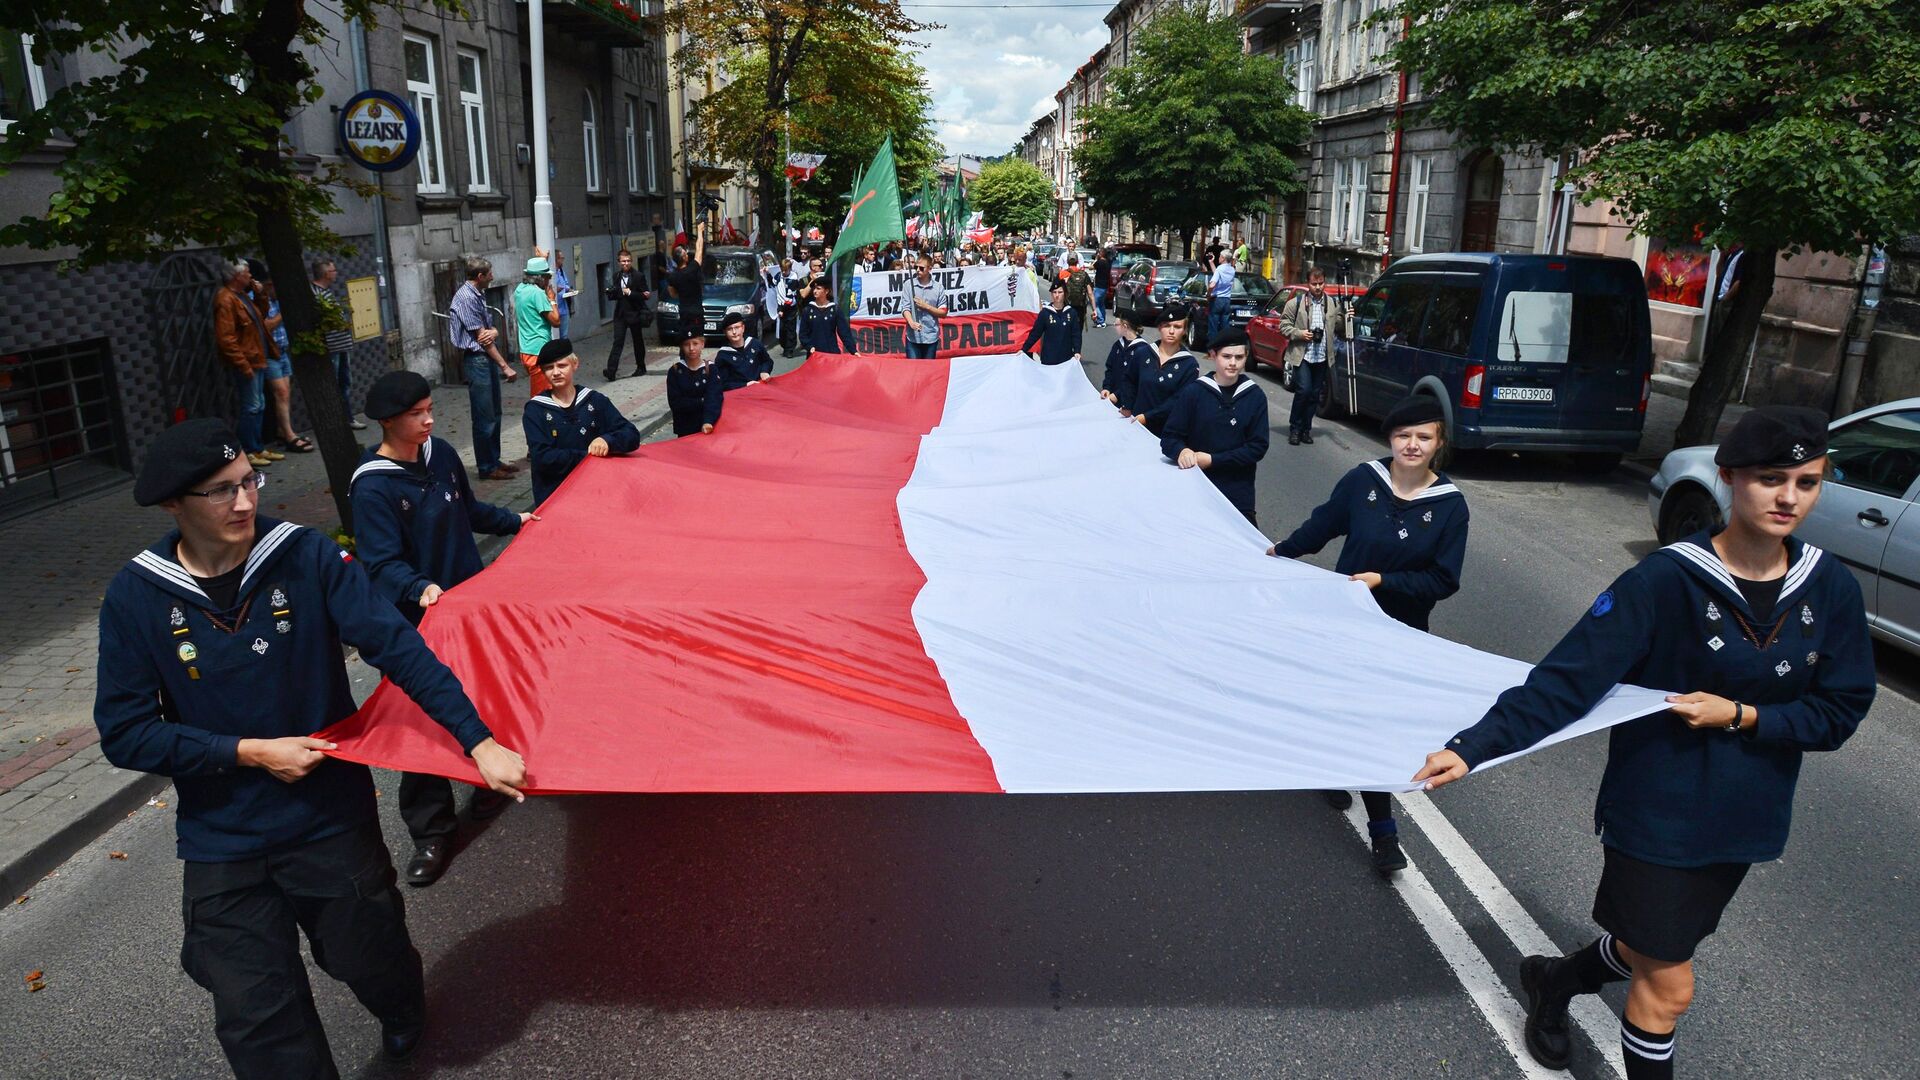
(1777, 124)
(1013, 195)
(182, 145)
(1194, 130)
(768, 47)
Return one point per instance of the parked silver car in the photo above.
(1866, 515)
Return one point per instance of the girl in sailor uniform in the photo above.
(1056, 329)
(1768, 638)
(1165, 372)
(570, 423)
(1129, 356)
(1219, 423)
(1406, 536)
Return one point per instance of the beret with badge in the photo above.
(1418, 409)
(183, 456)
(555, 351)
(395, 393)
(1774, 436)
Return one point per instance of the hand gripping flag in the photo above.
(874, 216)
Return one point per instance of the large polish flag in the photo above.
(950, 575)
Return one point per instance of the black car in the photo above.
(1252, 295)
(732, 276)
(1147, 285)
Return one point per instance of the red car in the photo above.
(1265, 343)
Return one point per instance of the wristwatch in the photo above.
(1739, 712)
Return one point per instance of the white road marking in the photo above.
(1588, 1010)
(1469, 964)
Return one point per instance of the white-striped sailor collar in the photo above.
(1697, 554)
(1175, 358)
(1239, 388)
(376, 463)
(160, 565)
(1441, 487)
(579, 395)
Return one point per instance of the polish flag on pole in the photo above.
(963, 574)
(801, 166)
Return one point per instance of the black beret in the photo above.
(1172, 313)
(555, 351)
(1780, 436)
(733, 318)
(182, 456)
(1227, 339)
(1418, 409)
(396, 392)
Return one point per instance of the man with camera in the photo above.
(1307, 319)
(687, 283)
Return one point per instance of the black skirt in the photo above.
(1663, 912)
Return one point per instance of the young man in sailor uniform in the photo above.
(1056, 330)
(570, 423)
(1129, 355)
(220, 656)
(414, 516)
(742, 359)
(1166, 371)
(1769, 637)
(693, 390)
(1218, 424)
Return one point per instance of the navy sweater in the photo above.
(413, 527)
(821, 328)
(1228, 423)
(1159, 384)
(176, 692)
(558, 435)
(1124, 363)
(693, 397)
(1416, 546)
(1057, 330)
(738, 367)
(1673, 795)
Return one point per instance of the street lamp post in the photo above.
(542, 197)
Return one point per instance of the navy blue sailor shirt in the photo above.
(414, 523)
(558, 435)
(822, 328)
(694, 397)
(1159, 385)
(738, 367)
(1229, 423)
(180, 685)
(1416, 545)
(1057, 331)
(1125, 361)
(1671, 794)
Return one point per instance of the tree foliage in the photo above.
(1193, 130)
(1012, 194)
(1778, 124)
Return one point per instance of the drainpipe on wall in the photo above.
(1393, 179)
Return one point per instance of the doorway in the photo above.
(1479, 225)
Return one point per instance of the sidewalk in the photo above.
(57, 791)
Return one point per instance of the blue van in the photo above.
(1524, 352)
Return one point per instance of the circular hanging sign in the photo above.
(379, 131)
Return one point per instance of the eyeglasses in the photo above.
(226, 493)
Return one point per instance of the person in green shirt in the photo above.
(534, 317)
(1240, 252)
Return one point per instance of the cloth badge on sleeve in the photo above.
(1603, 604)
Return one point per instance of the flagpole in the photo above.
(786, 238)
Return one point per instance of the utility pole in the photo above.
(786, 238)
(542, 197)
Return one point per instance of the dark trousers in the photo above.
(621, 331)
(242, 945)
(789, 319)
(426, 805)
(921, 350)
(1309, 386)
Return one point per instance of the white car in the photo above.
(1866, 516)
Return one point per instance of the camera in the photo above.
(708, 202)
(1319, 333)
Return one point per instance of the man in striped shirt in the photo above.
(339, 342)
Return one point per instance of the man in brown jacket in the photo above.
(240, 334)
(1311, 321)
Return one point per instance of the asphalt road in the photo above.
(1003, 936)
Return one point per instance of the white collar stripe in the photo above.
(374, 466)
(1707, 561)
(266, 547)
(169, 571)
(1430, 492)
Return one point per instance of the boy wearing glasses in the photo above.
(220, 656)
(414, 516)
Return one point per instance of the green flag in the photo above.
(874, 214)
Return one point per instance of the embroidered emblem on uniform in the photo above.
(1373, 496)
(1603, 604)
(283, 626)
(278, 599)
(187, 652)
(260, 646)
(589, 407)
(1233, 422)
(1782, 668)
(405, 505)
(228, 452)
(549, 417)
(176, 616)
(1403, 534)
(1715, 643)
(1799, 452)
(447, 495)
(1813, 658)
(1806, 614)
(583, 431)
(1713, 612)
(1428, 516)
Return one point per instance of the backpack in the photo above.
(1077, 285)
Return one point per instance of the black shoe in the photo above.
(399, 1043)
(1293, 438)
(1306, 438)
(1339, 800)
(1547, 1037)
(430, 859)
(487, 805)
(1387, 856)
(639, 371)
(610, 375)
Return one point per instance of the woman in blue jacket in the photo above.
(822, 327)
(1406, 530)
(1769, 637)
(1056, 329)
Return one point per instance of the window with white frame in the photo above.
(1357, 202)
(473, 110)
(424, 95)
(590, 138)
(1306, 78)
(633, 147)
(1337, 203)
(1419, 193)
(653, 176)
(1355, 34)
(23, 86)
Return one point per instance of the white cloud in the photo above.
(994, 70)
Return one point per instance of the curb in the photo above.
(128, 791)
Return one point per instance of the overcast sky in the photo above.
(993, 70)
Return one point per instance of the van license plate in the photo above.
(1523, 393)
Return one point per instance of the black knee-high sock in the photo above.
(1593, 967)
(1648, 1056)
